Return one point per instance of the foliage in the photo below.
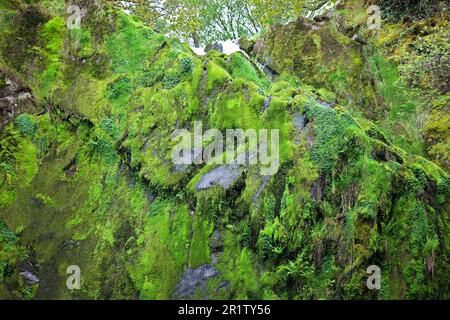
(25, 124)
(419, 9)
(203, 22)
(120, 87)
(92, 176)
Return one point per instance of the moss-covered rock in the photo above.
(90, 181)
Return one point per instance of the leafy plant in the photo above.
(120, 87)
(26, 125)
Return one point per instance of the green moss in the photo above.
(52, 35)
(199, 253)
(130, 46)
(2, 82)
(118, 88)
(329, 128)
(82, 39)
(95, 171)
(165, 252)
(217, 77)
(11, 253)
(18, 166)
(93, 103)
(232, 109)
(237, 267)
(242, 68)
(376, 185)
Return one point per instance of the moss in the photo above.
(11, 253)
(2, 82)
(93, 103)
(199, 253)
(166, 252)
(120, 87)
(242, 68)
(329, 127)
(232, 109)
(238, 269)
(376, 184)
(128, 47)
(52, 35)
(217, 77)
(92, 178)
(19, 166)
(437, 135)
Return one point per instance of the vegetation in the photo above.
(203, 22)
(86, 176)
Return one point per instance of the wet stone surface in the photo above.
(224, 176)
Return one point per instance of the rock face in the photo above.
(266, 104)
(30, 277)
(299, 123)
(214, 46)
(194, 280)
(224, 176)
(103, 193)
(15, 98)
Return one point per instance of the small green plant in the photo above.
(2, 83)
(106, 149)
(108, 125)
(395, 10)
(148, 78)
(171, 81)
(241, 67)
(46, 200)
(25, 124)
(120, 87)
(183, 72)
(186, 67)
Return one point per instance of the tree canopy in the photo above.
(204, 21)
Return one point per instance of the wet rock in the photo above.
(324, 104)
(30, 277)
(266, 104)
(270, 73)
(215, 242)
(71, 168)
(15, 98)
(194, 279)
(324, 17)
(263, 186)
(70, 244)
(299, 122)
(318, 189)
(224, 176)
(150, 196)
(36, 202)
(309, 137)
(214, 46)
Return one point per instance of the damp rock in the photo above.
(195, 279)
(30, 278)
(224, 176)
